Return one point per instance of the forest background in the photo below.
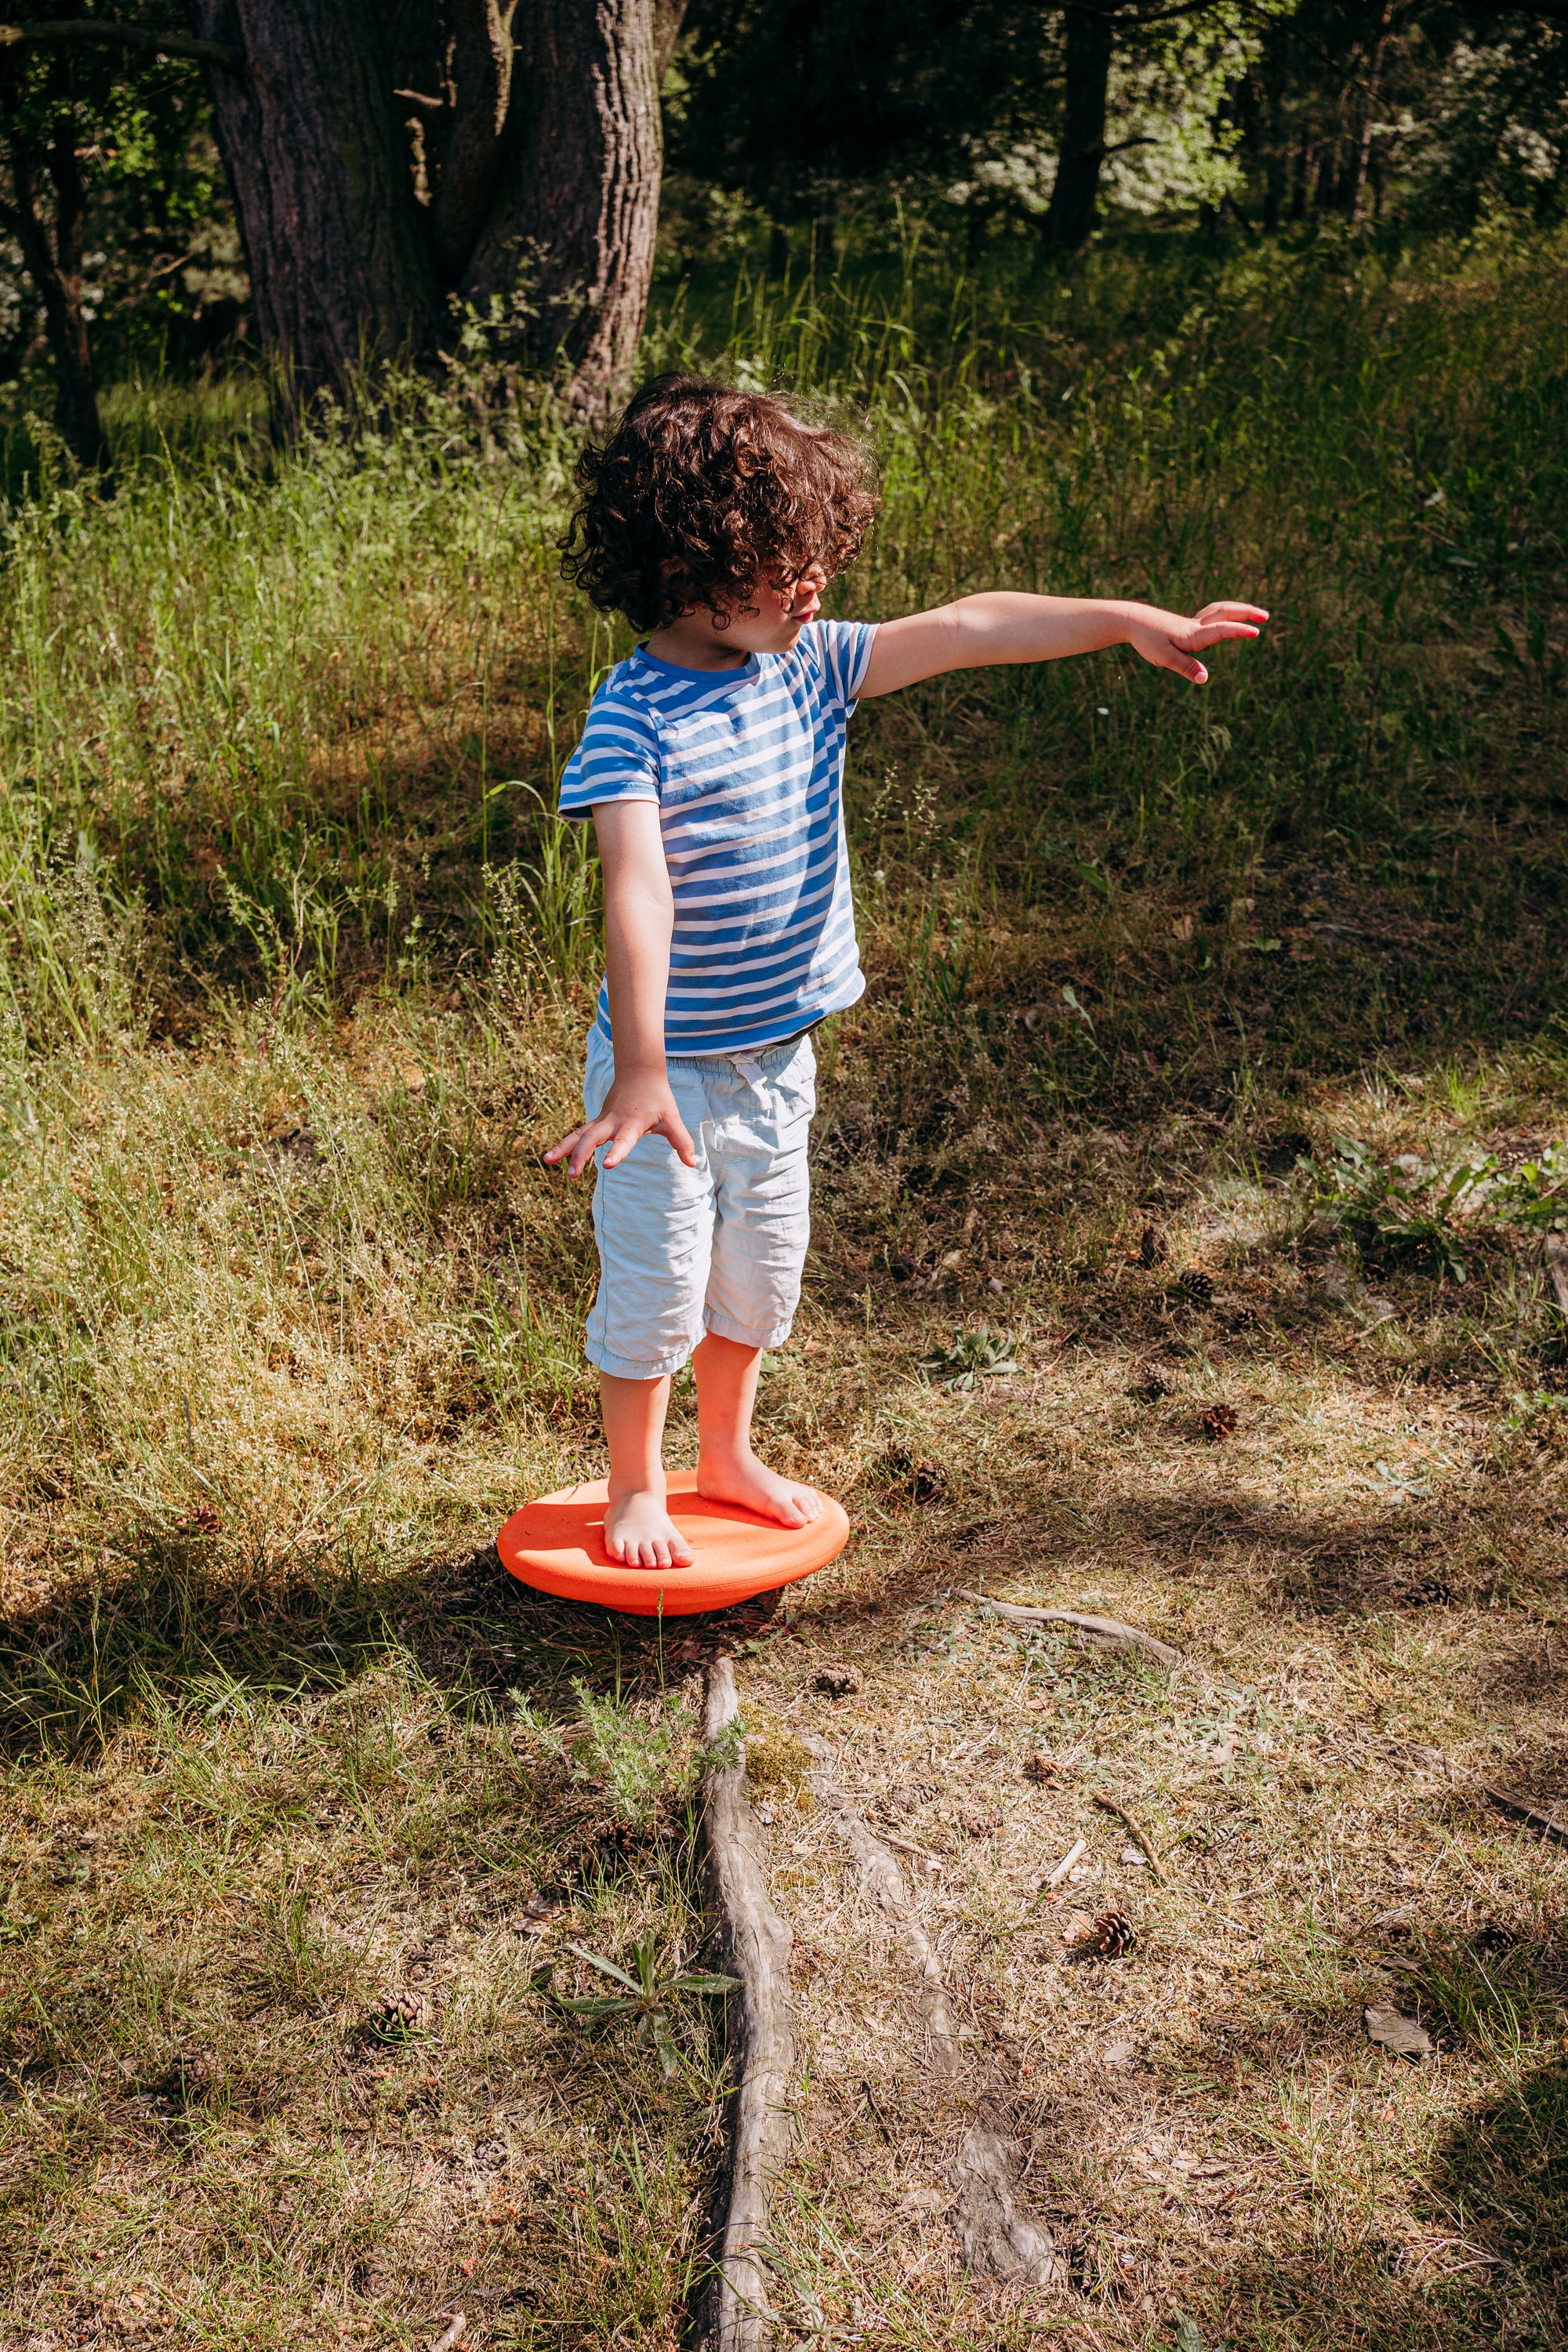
(1191, 1225)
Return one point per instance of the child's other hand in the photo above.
(1170, 642)
(632, 1108)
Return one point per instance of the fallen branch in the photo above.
(755, 1944)
(1110, 1631)
(1139, 1832)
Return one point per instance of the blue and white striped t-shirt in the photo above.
(747, 767)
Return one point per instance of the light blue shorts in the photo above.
(718, 1247)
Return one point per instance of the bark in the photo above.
(568, 245)
(667, 19)
(56, 266)
(1069, 222)
(481, 75)
(340, 274)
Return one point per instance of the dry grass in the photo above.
(290, 1319)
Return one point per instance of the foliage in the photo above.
(1411, 1206)
(980, 1353)
(640, 1764)
(648, 1997)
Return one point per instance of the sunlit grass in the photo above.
(294, 969)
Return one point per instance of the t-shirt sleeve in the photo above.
(617, 758)
(846, 650)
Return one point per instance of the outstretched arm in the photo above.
(977, 631)
(640, 917)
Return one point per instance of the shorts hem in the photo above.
(625, 1367)
(771, 1335)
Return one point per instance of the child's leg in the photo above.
(638, 1529)
(727, 1469)
(764, 1223)
(653, 1222)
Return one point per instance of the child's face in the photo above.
(780, 603)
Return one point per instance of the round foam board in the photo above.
(557, 1544)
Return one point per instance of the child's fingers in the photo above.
(680, 1142)
(558, 1150)
(1225, 612)
(622, 1134)
(1214, 633)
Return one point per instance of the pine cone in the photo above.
(1040, 1768)
(1112, 1935)
(1218, 1422)
(1197, 1286)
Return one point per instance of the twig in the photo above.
(1109, 1631)
(1067, 1861)
(908, 1846)
(454, 2335)
(1139, 1832)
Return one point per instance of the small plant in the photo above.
(1536, 1194)
(981, 1353)
(637, 1764)
(629, 1759)
(1404, 1206)
(1527, 1409)
(647, 1998)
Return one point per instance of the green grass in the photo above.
(294, 968)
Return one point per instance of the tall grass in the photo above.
(326, 670)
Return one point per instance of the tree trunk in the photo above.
(569, 244)
(340, 272)
(56, 268)
(1069, 222)
(539, 154)
(1368, 126)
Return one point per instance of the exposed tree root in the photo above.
(754, 1944)
(998, 2237)
(1108, 1632)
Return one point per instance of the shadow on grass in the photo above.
(173, 1629)
(1488, 2267)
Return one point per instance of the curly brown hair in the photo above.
(699, 489)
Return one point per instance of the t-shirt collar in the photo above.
(750, 667)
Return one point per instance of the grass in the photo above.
(304, 1810)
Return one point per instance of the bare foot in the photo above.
(640, 1533)
(746, 1482)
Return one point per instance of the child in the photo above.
(712, 763)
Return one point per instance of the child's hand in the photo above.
(1170, 642)
(632, 1108)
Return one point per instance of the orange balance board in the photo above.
(557, 1544)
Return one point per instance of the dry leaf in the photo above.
(1399, 2034)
